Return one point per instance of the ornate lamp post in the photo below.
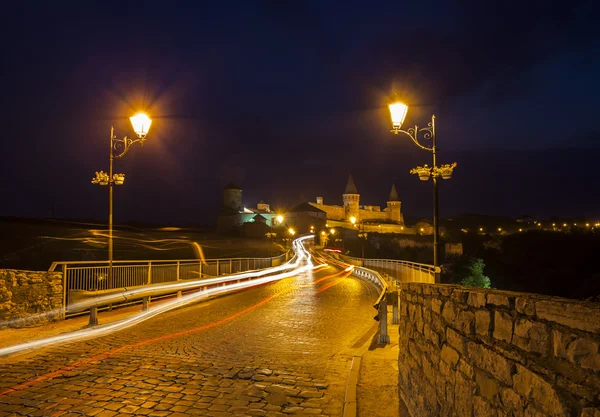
(398, 112)
(141, 124)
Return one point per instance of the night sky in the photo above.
(287, 98)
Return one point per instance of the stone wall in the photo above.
(475, 353)
(30, 298)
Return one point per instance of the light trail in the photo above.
(187, 285)
(104, 355)
(301, 254)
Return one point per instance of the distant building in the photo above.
(233, 214)
(305, 216)
(350, 215)
(369, 218)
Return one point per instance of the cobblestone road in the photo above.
(276, 350)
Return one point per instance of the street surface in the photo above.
(278, 349)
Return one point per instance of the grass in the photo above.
(33, 244)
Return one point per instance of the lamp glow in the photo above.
(332, 231)
(398, 112)
(352, 219)
(141, 124)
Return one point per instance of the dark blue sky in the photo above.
(287, 98)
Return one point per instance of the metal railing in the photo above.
(400, 271)
(93, 275)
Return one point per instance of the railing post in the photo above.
(383, 337)
(149, 281)
(146, 303)
(178, 274)
(93, 316)
(179, 294)
(395, 318)
(64, 271)
(231, 266)
(438, 275)
(218, 269)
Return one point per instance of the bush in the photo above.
(475, 276)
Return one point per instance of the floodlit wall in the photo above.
(472, 352)
(30, 298)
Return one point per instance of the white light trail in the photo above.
(301, 253)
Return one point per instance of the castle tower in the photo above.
(393, 207)
(351, 199)
(232, 198)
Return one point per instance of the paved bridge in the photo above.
(277, 349)
(287, 347)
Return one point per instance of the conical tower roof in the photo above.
(393, 194)
(350, 187)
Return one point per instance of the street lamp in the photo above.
(398, 112)
(141, 124)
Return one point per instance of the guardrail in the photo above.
(381, 303)
(93, 275)
(80, 300)
(401, 271)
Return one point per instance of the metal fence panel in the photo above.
(93, 275)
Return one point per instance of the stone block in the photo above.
(531, 336)
(511, 401)
(487, 387)
(466, 369)
(525, 306)
(503, 326)
(445, 290)
(465, 321)
(447, 372)
(489, 361)
(436, 305)
(448, 312)
(463, 396)
(459, 296)
(426, 289)
(497, 299)
(435, 339)
(590, 412)
(415, 287)
(583, 391)
(538, 391)
(456, 340)
(482, 322)
(450, 356)
(560, 343)
(477, 299)
(481, 408)
(428, 371)
(426, 315)
(584, 351)
(574, 314)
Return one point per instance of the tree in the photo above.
(475, 276)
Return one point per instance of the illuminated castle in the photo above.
(369, 218)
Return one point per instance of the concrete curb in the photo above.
(350, 397)
(350, 404)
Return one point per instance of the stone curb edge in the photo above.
(350, 404)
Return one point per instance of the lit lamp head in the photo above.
(398, 112)
(291, 231)
(279, 219)
(141, 124)
(352, 219)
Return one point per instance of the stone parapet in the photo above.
(30, 298)
(473, 352)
